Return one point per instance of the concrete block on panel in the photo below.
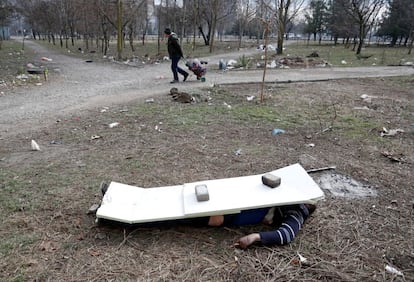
(271, 180)
(202, 193)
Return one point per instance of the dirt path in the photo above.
(76, 85)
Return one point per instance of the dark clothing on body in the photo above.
(176, 53)
(287, 219)
(174, 48)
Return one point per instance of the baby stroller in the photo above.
(196, 67)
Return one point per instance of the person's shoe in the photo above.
(174, 81)
(103, 187)
(185, 77)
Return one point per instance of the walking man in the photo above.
(176, 53)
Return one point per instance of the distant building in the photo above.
(4, 32)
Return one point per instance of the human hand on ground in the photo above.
(245, 241)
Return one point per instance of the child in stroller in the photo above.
(196, 67)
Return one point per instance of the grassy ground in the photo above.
(148, 52)
(46, 234)
(13, 60)
(340, 55)
(296, 55)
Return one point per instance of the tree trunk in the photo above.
(282, 14)
(119, 29)
(86, 38)
(266, 32)
(206, 42)
(212, 32)
(361, 40)
(131, 38)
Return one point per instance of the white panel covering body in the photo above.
(131, 204)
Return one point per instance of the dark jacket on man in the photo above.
(174, 48)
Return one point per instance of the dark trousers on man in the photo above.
(176, 69)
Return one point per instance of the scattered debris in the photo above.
(149, 100)
(272, 65)
(100, 236)
(324, 64)
(393, 157)
(363, 57)
(114, 124)
(227, 105)
(35, 146)
(344, 62)
(238, 152)
(277, 131)
(222, 65)
(231, 62)
(366, 98)
(301, 260)
(34, 70)
(292, 61)
(403, 62)
(22, 76)
(46, 59)
(393, 270)
(364, 108)
(93, 137)
(391, 132)
(104, 109)
(271, 47)
(93, 209)
(250, 98)
(314, 54)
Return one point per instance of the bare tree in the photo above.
(364, 13)
(340, 23)
(6, 12)
(211, 13)
(119, 18)
(286, 10)
(245, 14)
(282, 12)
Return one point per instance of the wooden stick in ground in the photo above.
(321, 169)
